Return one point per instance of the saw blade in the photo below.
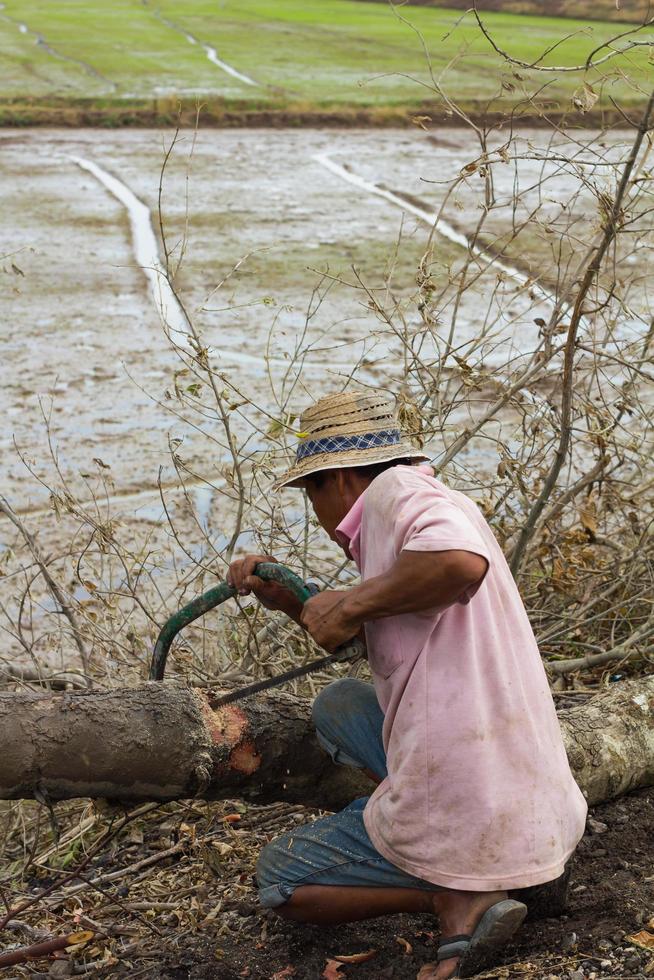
(352, 651)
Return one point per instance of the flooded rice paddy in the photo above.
(273, 236)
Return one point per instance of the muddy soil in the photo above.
(611, 897)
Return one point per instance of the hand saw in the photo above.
(351, 651)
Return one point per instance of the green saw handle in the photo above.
(269, 571)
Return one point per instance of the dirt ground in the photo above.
(611, 897)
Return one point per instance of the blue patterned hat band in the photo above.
(340, 444)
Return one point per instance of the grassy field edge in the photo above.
(221, 113)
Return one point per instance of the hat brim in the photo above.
(295, 476)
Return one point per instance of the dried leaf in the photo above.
(405, 944)
(411, 419)
(585, 98)
(420, 121)
(288, 971)
(332, 970)
(644, 939)
(357, 957)
(135, 834)
(211, 858)
(588, 515)
(76, 940)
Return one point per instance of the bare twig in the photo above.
(574, 69)
(38, 951)
(56, 591)
(611, 228)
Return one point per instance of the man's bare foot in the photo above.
(459, 914)
(438, 971)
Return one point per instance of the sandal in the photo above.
(477, 950)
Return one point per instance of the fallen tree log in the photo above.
(610, 740)
(165, 741)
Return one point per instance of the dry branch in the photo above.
(39, 950)
(57, 593)
(632, 647)
(575, 69)
(612, 223)
(57, 680)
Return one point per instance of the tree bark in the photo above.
(164, 741)
(610, 740)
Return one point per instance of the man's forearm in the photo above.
(417, 581)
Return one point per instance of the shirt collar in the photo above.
(348, 532)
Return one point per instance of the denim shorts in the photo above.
(336, 850)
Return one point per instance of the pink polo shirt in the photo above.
(479, 793)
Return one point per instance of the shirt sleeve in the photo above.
(424, 519)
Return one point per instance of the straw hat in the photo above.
(350, 428)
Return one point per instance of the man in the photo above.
(474, 794)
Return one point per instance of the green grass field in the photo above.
(300, 54)
(633, 12)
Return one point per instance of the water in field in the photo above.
(295, 257)
(257, 221)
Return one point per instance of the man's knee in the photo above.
(274, 892)
(269, 863)
(337, 701)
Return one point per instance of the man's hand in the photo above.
(272, 595)
(324, 617)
